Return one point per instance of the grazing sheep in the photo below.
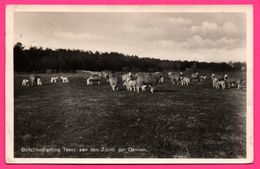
(232, 82)
(150, 79)
(113, 81)
(25, 82)
(175, 78)
(39, 82)
(151, 89)
(64, 79)
(126, 76)
(212, 76)
(129, 77)
(203, 78)
(33, 79)
(93, 80)
(170, 73)
(161, 80)
(220, 84)
(54, 79)
(143, 87)
(106, 74)
(214, 80)
(195, 76)
(131, 85)
(185, 81)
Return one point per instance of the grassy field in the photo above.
(194, 121)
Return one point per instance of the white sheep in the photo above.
(220, 84)
(195, 76)
(232, 81)
(93, 80)
(143, 87)
(39, 82)
(214, 80)
(175, 77)
(185, 81)
(152, 89)
(161, 80)
(64, 79)
(131, 85)
(25, 82)
(54, 79)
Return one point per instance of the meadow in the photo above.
(195, 121)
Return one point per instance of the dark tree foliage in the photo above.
(65, 60)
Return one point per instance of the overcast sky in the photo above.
(174, 36)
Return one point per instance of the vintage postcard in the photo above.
(137, 84)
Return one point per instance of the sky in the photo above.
(210, 37)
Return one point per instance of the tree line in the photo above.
(37, 59)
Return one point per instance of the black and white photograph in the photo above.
(129, 84)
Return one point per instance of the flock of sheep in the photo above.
(142, 81)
